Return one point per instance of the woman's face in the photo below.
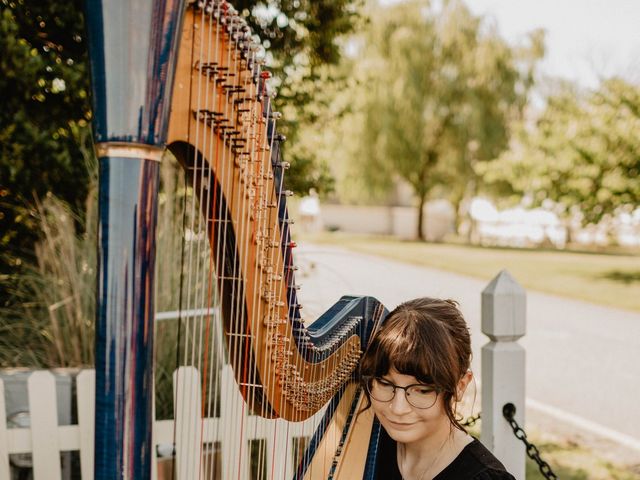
(404, 422)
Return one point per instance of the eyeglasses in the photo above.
(418, 395)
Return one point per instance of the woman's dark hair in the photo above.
(428, 339)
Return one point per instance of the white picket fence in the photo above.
(45, 439)
(503, 375)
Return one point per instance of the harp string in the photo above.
(199, 278)
(194, 288)
(260, 149)
(214, 372)
(259, 194)
(205, 203)
(272, 256)
(182, 312)
(207, 387)
(256, 136)
(239, 287)
(181, 410)
(238, 193)
(283, 278)
(217, 222)
(248, 205)
(242, 339)
(208, 152)
(260, 144)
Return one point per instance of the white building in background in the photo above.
(521, 227)
(515, 227)
(398, 221)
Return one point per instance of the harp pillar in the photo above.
(131, 45)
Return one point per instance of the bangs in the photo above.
(415, 346)
(404, 348)
(405, 354)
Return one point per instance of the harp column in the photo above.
(132, 47)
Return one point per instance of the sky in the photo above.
(586, 39)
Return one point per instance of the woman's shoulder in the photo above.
(475, 462)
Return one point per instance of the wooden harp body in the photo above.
(189, 78)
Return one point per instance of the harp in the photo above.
(188, 78)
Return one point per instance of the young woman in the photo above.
(415, 371)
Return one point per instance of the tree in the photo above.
(44, 119)
(439, 93)
(44, 123)
(303, 38)
(582, 154)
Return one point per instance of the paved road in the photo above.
(583, 360)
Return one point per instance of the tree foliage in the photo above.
(44, 125)
(43, 122)
(303, 37)
(582, 154)
(439, 92)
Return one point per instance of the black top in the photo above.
(475, 462)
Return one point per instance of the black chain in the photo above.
(509, 411)
(471, 421)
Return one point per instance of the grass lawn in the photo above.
(573, 462)
(570, 461)
(607, 279)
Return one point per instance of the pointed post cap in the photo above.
(504, 308)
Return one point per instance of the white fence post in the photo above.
(154, 437)
(44, 425)
(4, 443)
(188, 418)
(503, 369)
(230, 401)
(86, 388)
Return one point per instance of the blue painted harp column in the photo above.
(133, 50)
